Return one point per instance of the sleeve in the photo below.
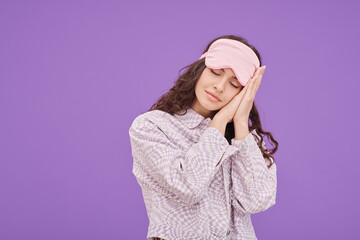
(253, 183)
(183, 176)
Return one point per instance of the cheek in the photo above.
(200, 82)
(238, 90)
(232, 95)
(199, 89)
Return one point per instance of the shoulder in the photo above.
(151, 118)
(155, 125)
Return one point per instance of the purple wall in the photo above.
(74, 75)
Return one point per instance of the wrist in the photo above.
(241, 135)
(219, 123)
(241, 122)
(220, 118)
(241, 130)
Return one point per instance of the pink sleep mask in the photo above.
(229, 53)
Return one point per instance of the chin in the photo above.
(210, 106)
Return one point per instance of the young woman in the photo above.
(199, 154)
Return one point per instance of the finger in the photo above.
(238, 98)
(241, 94)
(257, 73)
(257, 82)
(252, 84)
(249, 84)
(253, 79)
(243, 91)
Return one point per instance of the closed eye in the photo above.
(230, 82)
(235, 85)
(214, 72)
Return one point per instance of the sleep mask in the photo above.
(229, 53)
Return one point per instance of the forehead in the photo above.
(230, 71)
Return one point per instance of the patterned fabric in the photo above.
(186, 194)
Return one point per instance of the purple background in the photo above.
(74, 75)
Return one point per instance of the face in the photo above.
(220, 82)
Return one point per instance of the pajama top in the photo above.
(186, 194)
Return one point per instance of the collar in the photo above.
(191, 118)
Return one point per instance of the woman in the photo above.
(202, 169)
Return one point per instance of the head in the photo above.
(192, 88)
(229, 65)
(221, 83)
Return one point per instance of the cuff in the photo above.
(222, 145)
(248, 143)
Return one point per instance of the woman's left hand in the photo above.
(243, 111)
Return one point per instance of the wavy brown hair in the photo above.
(182, 96)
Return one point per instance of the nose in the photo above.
(220, 85)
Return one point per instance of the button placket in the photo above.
(227, 180)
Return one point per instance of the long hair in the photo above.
(182, 95)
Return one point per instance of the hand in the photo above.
(248, 95)
(227, 112)
(236, 109)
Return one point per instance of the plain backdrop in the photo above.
(74, 75)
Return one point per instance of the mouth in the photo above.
(212, 97)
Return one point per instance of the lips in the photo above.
(212, 95)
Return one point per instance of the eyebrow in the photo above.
(232, 76)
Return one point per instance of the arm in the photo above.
(183, 176)
(254, 184)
